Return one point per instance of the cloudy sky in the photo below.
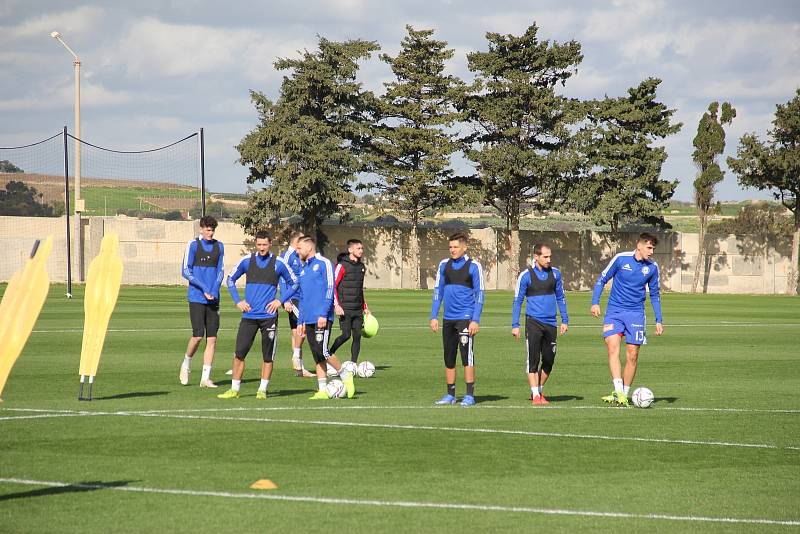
(155, 71)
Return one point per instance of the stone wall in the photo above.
(152, 251)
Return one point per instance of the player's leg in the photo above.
(450, 347)
(465, 343)
(212, 327)
(631, 361)
(297, 345)
(533, 340)
(333, 361)
(549, 339)
(345, 323)
(316, 342)
(613, 331)
(244, 340)
(357, 328)
(197, 319)
(269, 342)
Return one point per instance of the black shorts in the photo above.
(205, 319)
(247, 334)
(456, 338)
(293, 314)
(540, 340)
(318, 341)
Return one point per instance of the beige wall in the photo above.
(152, 251)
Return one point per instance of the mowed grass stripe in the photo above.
(403, 504)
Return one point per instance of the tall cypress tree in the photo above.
(521, 141)
(308, 145)
(412, 145)
(709, 143)
(623, 176)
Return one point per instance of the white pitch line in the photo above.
(43, 416)
(406, 504)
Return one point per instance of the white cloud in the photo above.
(72, 23)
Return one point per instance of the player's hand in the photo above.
(273, 306)
(515, 332)
(595, 310)
(338, 310)
(564, 328)
(288, 306)
(659, 329)
(435, 325)
(209, 296)
(244, 306)
(322, 322)
(473, 328)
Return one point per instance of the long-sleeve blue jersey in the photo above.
(461, 300)
(316, 286)
(259, 292)
(628, 290)
(204, 277)
(291, 259)
(541, 307)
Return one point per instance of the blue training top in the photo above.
(462, 292)
(261, 290)
(291, 259)
(316, 285)
(628, 291)
(206, 276)
(541, 306)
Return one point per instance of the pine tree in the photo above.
(412, 145)
(623, 176)
(308, 145)
(709, 143)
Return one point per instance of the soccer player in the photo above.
(203, 268)
(348, 297)
(459, 284)
(316, 314)
(542, 289)
(259, 309)
(291, 258)
(633, 274)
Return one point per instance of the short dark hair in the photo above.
(458, 236)
(305, 238)
(208, 222)
(263, 234)
(353, 242)
(647, 237)
(537, 248)
(296, 234)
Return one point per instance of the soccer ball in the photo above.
(331, 371)
(349, 367)
(365, 369)
(642, 398)
(335, 389)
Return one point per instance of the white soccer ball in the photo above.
(349, 367)
(642, 398)
(331, 371)
(365, 369)
(336, 389)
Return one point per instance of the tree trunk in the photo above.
(791, 275)
(413, 256)
(701, 250)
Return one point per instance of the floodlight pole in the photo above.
(78, 200)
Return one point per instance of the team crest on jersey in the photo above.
(315, 267)
(645, 269)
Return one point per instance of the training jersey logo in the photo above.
(271, 334)
(315, 267)
(626, 267)
(645, 269)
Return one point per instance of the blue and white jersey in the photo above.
(316, 286)
(291, 259)
(540, 304)
(631, 277)
(261, 286)
(460, 289)
(203, 269)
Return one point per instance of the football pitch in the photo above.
(718, 451)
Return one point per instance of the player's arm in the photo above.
(655, 298)
(188, 265)
(234, 275)
(220, 270)
(438, 296)
(602, 280)
(523, 281)
(561, 300)
(291, 283)
(478, 291)
(338, 276)
(329, 290)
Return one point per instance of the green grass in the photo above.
(736, 353)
